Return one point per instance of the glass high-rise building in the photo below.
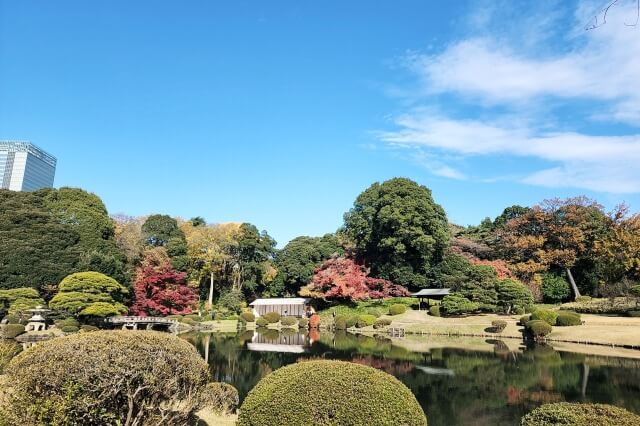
(25, 167)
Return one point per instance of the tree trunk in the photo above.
(576, 292)
(210, 299)
(585, 380)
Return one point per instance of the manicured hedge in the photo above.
(568, 414)
(352, 321)
(221, 398)
(247, 317)
(538, 329)
(12, 319)
(499, 325)
(261, 322)
(11, 331)
(340, 322)
(89, 328)
(289, 321)
(375, 312)
(365, 321)
(434, 311)
(330, 393)
(525, 319)
(92, 378)
(272, 317)
(617, 306)
(545, 315)
(397, 309)
(382, 323)
(568, 318)
(303, 323)
(70, 329)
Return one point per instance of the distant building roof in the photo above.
(280, 301)
(428, 292)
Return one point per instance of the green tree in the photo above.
(298, 260)
(36, 249)
(555, 289)
(85, 292)
(255, 256)
(398, 230)
(163, 231)
(513, 294)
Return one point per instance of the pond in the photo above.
(470, 381)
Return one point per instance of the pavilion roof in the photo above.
(280, 301)
(427, 292)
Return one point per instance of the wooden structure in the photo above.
(295, 343)
(286, 307)
(146, 323)
(431, 293)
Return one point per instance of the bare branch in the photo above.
(600, 18)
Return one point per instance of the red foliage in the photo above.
(160, 289)
(314, 321)
(343, 279)
(501, 267)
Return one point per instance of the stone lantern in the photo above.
(37, 322)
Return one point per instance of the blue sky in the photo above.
(279, 113)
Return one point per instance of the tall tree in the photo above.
(297, 261)
(398, 230)
(163, 231)
(255, 254)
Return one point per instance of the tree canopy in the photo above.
(398, 230)
(84, 292)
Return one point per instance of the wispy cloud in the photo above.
(599, 71)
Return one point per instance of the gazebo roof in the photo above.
(430, 292)
(280, 301)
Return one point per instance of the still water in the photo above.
(457, 381)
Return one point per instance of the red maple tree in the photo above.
(501, 267)
(343, 279)
(160, 289)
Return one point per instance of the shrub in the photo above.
(528, 309)
(272, 317)
(512, 293)
(375, 312)
(188, 321)
(352, 321)
(583, 299)
(195, 317)
(568, 318)
(570, 414)
(12, 319)
(178, 318)
(261, 322)
(67, 322)
(314, 321)
(365, 321)
(519, 310)
(330, 393)
(634, 313)
(455, 304)
(538, 329)
(8, 349)
(397, 309)
(96, 378)
(555, 289)
(89, 328)
(11, 331)
(289, 321)
(616, 306)
(434, 311)
(381, 323)
(525, 319)
(70, 329)
(545, 315)
(340, 322)
(248, 317)
(499, 325)
(221, 398)
(303, 323)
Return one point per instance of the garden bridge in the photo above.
(146, 323)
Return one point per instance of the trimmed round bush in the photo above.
(88, 328)
(457, 304)
(434, 311)
(518, 310)
(397, 309)
(195, 317)
(538, 329)
(375, 312)
(303, 323)
(272, 317)
(382, 323)
(247, 317)
(340, 322)
(583, 299)
(555, 288)
(330, 393)
(188, 321)
(568, 319)
(525, 319)
(221, 398)
(365, 321)
(261, 322)
(289, 321)
(352, 321)
(70, 329)
(569, 414)
(545, 315)
(175, 317)
(499, 325)
(11, 331)
(67, 321)
(12, 319)
(97, 376)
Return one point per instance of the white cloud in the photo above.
(599, 70)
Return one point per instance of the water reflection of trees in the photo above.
(492, 388)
